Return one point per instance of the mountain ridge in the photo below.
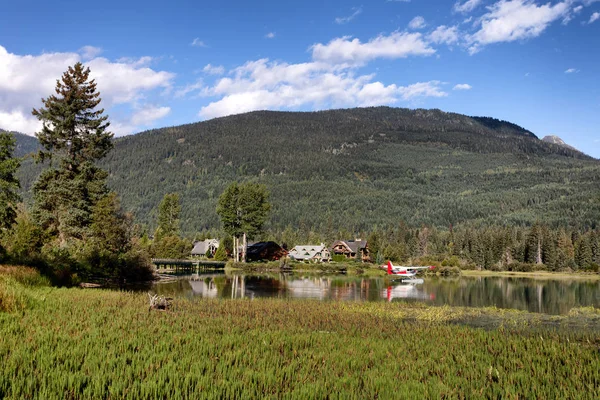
(356, 168)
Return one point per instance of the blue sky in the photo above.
(534, 63)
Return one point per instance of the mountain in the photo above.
(25, 144)
(357, 168)
(558, 141)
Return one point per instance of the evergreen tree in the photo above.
(565, 251)
(169, 212)
(220, 254)
(76, 133)
(64, 200)
(72, 127)
(583, 252)
(9, 184)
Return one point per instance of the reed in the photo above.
(81, 343)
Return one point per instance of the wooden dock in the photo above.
(170, 264)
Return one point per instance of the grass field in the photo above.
(86, 343)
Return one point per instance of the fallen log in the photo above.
(159, 302)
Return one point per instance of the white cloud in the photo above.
(213, 69)
(422, 89)
(577, 9)
(262, 84)
(193, 87)
(270, 35)
(89, 52)
(25, 79)
(595, 17)
(510, 20)
(198, 43)
(136, 62)
(467, 6)
(571, 71)
(124, 83)
(149, 114)
(345, 20)
(444, 34)
(17, 121)
(417, 22)
(348, 50)
(462, 86)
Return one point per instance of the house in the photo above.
(206, 246)
(310, 253)
(349, 248)
(268, 251)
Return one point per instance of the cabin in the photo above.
(265, 251)
(207, 246)
(349, 249)
(310, 253)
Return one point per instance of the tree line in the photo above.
(359, 167)
(77, 229)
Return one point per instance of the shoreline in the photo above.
(535, 275)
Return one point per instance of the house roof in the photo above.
(353, 245)
(265, 250)
(307, 252)
(200, 248)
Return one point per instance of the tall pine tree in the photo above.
(75, 133)
(73, 128)
(9, 184)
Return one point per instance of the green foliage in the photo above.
(169, 211)
(64, 200)
(111, 252)
(9, 184)
(72, 128)
(221, 253)
(244, 208)
(24, 241)
(171, 247)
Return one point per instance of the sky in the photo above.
(156, 63)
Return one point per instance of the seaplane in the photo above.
(404, 272)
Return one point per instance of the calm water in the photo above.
(536, 295)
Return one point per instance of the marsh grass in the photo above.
(16, 283)
(105, 344)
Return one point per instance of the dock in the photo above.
(170, 264)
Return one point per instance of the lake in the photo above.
(550, 296)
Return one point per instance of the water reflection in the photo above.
(543, 296)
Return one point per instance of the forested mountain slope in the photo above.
(358, 168)
(25, 144)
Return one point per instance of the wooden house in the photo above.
(349, 249)
(310, 253)
(267, 251)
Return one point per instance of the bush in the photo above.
(448, 271)
(524, 267)
(171, 247)
(339, 258)
(23, 243)
(453, 261)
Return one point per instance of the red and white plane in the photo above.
(404, 271)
